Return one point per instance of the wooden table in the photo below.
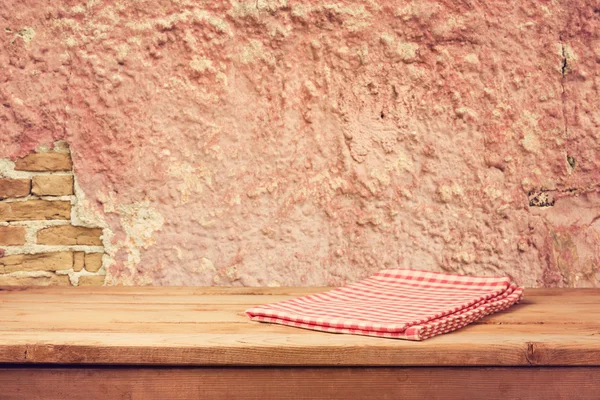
(196, 343)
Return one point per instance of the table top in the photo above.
(186, 326)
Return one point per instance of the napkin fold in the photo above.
(395, 303)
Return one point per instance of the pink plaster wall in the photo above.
(275, 142)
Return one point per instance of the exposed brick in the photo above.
(97, 280)
(93, 262)
(12, 235)
(70, 235)
(39, 162)
(78, 261)
(53, 280)
(33, 210)
(52, 185)
(11, 188)
(36, 262)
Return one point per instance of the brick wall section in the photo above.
(52, 185)
(41, 162)
(12, 236)
(35, 210)
(39, 245)
(14, 188)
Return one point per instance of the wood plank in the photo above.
(165, 290)
(562, 292)
(298, 383)
(532, 305)
(65, 316)
(195, 318)
(123, 306)
(211, 310)
(535, 333)
(509, 333)
(480, 345)
(252, 350)
(226, 290)
(156, 327)
(191, 296)
(565, 313)
(104, 298)
(225, 327)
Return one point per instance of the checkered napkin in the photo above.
(401, 304)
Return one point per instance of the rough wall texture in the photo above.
(310, 143)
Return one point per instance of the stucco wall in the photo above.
(296, 143)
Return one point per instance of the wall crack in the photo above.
(564, 70)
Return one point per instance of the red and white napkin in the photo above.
(401, 304)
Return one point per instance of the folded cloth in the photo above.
(401, 304)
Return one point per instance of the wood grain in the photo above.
(169, 290)
(298, 383)
(207, 327)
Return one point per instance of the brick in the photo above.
(70, 235)
(36, 262)
(12, 235)
(40, 162)
(78, 261)
(35, 210)
(52, 185)
(53, 280)
(11, 188)
(93, 262)
(96, 280)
